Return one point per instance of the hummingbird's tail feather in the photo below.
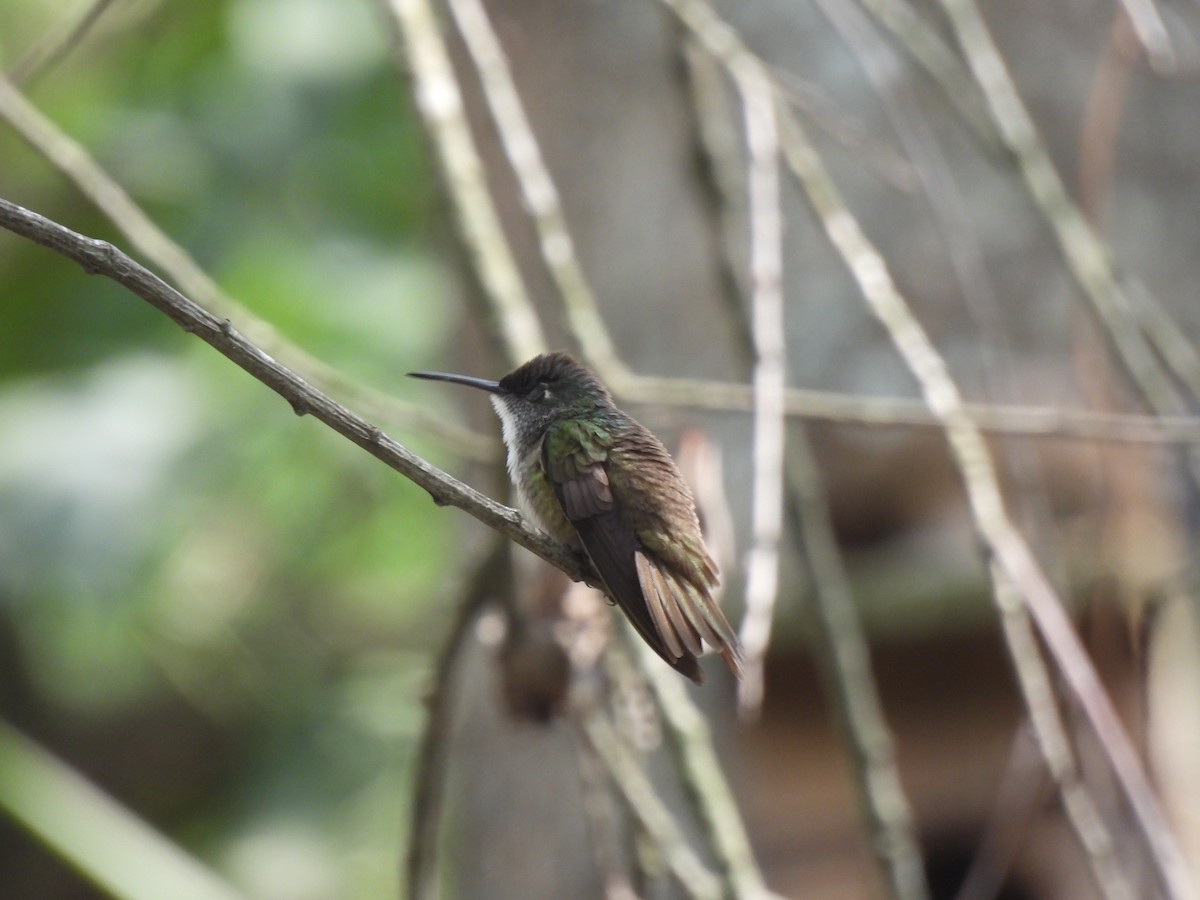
(686, 616)
(614, 554)
(657, 596)
(671, 621)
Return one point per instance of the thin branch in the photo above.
(856, 409)
(770, 353)
(603, 825)
(844, 653)
(1007, 547)
(924, 44)
(77, 165)
(841, 645)
(439, 100)
(1085, 254)
(101, 258)
(1152, 34)
(537, 188)
(689, 740)
(1018, 798)
(109, 845)
(1055, 744)
(629, 778)
(56, 44)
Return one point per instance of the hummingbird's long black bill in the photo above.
(484, 384)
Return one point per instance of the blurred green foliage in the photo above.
(220, 612)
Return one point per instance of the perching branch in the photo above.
(102, 258)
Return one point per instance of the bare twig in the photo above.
(770, 351)
(603, 826)
(841, 645)
(1152, 34)
(1101, 124)
(690, 741)
(1055, 744)
(1013, 558)
(64, 36)
(644, 802)
(1085, 254)
(924, 44)
(844, 653)
(509, 307)
(102, 258)
(855, 409)
(537, 187)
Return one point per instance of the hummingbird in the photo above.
(601, 483)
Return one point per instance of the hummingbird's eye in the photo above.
(539, 393)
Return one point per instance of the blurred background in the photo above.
(225, 617)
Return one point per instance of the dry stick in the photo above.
(925, 45)
(537, 188)
(845, 654)
(64, 36)
(967, 262)
(603, 825)
(766, 314)
(1008, 549)
(1021, 790)
(509, 307)
(1152, 33)
(847, 409)
(841, 646)
(101, 258)
(1168, 338)
(843, 651)
(1085, 254)
(78, 166)
(836, 122)
(629, 778)
(1054, 743)
(689, 739)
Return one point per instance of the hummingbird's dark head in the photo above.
(528, 399)
(549, 387)
(555, 381)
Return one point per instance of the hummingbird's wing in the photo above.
(671, 613)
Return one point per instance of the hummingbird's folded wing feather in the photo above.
(574, 466)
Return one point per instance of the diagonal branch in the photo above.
(1015, 561)
(510, 310)
(101, 258)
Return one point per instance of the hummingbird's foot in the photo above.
(588, 570)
